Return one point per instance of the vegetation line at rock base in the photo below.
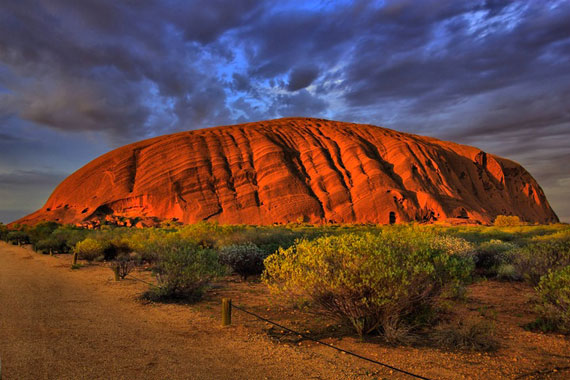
(389, 281)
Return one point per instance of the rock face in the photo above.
(297, 169)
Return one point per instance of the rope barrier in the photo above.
(330, 345)
(305, 336)
(143, 281)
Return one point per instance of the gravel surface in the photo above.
(58, 323)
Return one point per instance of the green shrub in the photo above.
(493, 254)
(116, 248)
(504, 220)
(147, 243)
(554, 308)
(41, 231)
(245, 259)
(183, 272)
(91, 249)
(3, 232)
(507, 272)
(454, 246)
(387, 282)
(18, 237)
(538, 258)
(204, 233)
(50, 245)
(69, 236)
(268, 239)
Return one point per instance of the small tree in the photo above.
(18, 237)
(41, 231)
(50, 245)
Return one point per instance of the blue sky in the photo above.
(80, 78)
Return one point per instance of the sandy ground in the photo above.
(58, 323)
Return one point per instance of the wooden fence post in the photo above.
(116, 272)
(226, 311)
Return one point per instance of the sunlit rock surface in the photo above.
(296, 169)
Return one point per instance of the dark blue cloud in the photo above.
(101, 73)
(301, 77)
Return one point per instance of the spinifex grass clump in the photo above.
(467, 335)
(387, 282)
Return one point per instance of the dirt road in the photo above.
(58, 323)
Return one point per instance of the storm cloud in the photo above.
(103, 73)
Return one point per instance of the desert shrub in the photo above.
(183, 272)
(480, 234)
(267, 239)
(41, 231)
(386, 282)
(507, 221)
(50, 245)
(472, 336)
(560, 235)
(554, 307)
(69, 236)
(204, 234)
(115, 248)
(18, 237)
(147, 243)
(123, 264)
(3, 232)
(454, 246)
(493, 254)
(507, 272)
(539, 257)
(245, 259)
(91, 249)
(458, 247)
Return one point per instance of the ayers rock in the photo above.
(294, 169)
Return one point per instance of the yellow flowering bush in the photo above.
(384, 282)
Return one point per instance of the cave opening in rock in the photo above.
(463, 214)
(392, 217)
